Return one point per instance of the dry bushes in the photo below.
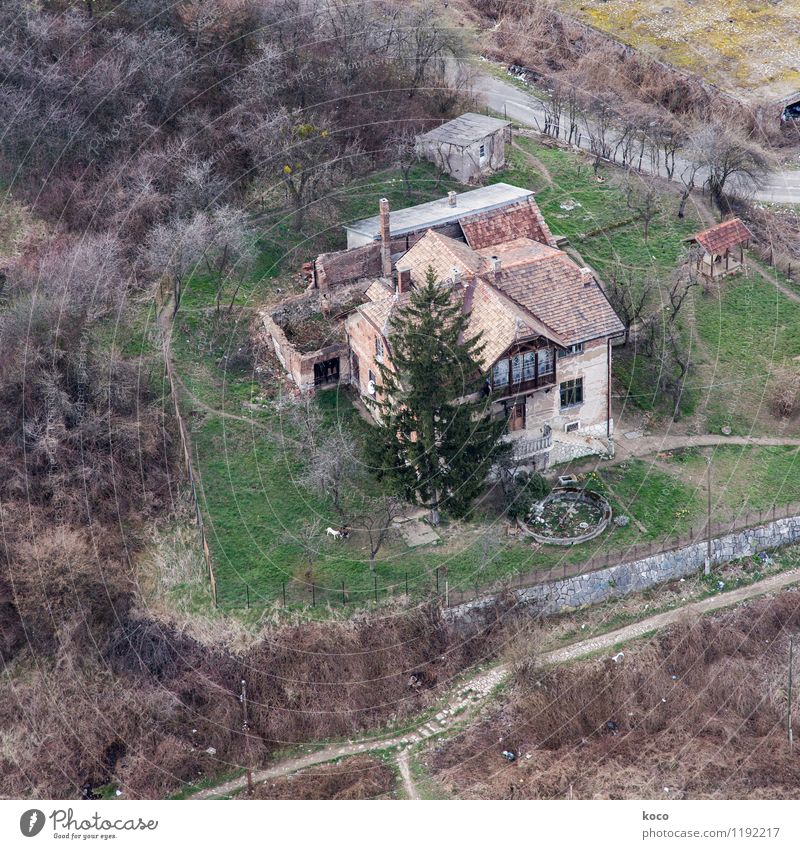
(700, 709)
(359, 777)
(784, 393)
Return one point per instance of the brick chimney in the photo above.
(451, 198)
(587, 276)
(403, 279)
(386, 242)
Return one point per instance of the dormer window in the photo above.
(378, 349)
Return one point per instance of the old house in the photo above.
(722, 248)
(545, 322)
(467, 147)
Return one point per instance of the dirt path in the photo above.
(471, 694)
(405, 773)
(644, 445)
(537, 164)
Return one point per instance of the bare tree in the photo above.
(175, 249)
(333, 469)
(724, 151)
(402, 152)
(628, 295)
(643, 198)
(230, 250)
(377, 522)
(306, 156)
(304, 418)
(688, 178)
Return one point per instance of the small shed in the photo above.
(722, 248)
(467, 146)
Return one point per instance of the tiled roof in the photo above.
(441, 253)
(498, 321)
(521, 219)
(717, 240)
(563, 296)
(538, 290)
(377, 291)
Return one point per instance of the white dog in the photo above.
(332, 532)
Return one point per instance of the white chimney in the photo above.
(451, 198)
(386, 244)
(496, 264)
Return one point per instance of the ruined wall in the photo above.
(616, 581)
(361, 336)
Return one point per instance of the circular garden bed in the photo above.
(567, 516)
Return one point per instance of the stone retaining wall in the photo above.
(616, 581)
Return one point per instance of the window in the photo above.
(516, 368)
(571, 393)
(483, 152)
(570, 350)
(545, 361)
(529, 366)
(378, 348)
(500, 373)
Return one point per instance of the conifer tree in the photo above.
(437, 441)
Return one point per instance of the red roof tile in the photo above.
(717, 240)
(521, 219)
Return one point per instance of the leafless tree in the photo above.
(376, 520)
(643, 198)
(628, 295)
(723, 150)
(402, 152)
(332, 468)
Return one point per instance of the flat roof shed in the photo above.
(436, 213)
(464, 130)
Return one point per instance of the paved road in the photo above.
(471, 694)
(506, 98)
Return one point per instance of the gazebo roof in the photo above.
(722, 237)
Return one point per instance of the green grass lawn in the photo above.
(746, 329)
(744, 478)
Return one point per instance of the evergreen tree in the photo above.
(437, 441)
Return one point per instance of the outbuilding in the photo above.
(468, 146)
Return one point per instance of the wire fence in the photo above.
(375, 590)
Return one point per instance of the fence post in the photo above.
(313, 595)
(406, 583)
(247, 593)
(376, 589)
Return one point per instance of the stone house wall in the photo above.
(616, 581)
(463, 161)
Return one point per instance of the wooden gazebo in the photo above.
(722, 248)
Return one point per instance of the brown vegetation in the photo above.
(698, 711)
(359, 777)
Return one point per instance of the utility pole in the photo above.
(246, 730)
(789, 699)
(707, 568)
